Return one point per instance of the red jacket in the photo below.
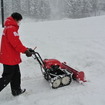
(11, 46)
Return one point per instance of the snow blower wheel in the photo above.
(56, 83)
(66, 80)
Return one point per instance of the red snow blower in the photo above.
(57, 73)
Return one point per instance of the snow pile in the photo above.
(79, 42)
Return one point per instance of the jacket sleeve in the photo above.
(14, 40)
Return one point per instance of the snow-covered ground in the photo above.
(79, 42)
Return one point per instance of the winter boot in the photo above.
(18, 92)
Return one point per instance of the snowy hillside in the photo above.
(79, 42)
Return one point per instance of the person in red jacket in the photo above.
(11, 47)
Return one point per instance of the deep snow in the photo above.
(79, 42)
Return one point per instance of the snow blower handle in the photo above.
(32, 50)
(37, 56)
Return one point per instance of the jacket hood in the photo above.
(10, 22)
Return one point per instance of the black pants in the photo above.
(11, 74)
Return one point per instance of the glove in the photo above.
(31, 50)
(28, 53)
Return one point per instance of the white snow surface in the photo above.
(80, 43)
